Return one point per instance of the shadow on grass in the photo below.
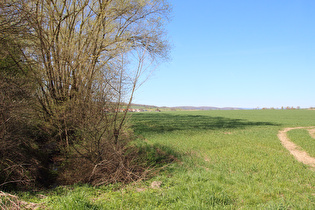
(155, 155)
(161, 122)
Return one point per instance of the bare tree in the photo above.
(86, 58)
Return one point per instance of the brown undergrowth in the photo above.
(119, 165)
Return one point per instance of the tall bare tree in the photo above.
(86, 58)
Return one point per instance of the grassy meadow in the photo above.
(223, 160)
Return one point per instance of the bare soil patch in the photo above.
(299, 154)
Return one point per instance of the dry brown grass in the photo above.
(13, 202)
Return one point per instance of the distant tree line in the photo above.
(287, 108)
(62, 64)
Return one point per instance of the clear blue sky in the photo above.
(237, 53)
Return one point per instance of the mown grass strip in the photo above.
(302, 138)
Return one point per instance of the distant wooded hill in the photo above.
(141, 106)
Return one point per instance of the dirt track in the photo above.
(300, 155)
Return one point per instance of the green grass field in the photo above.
(225, 160)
